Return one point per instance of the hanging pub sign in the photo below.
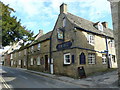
(64, 45)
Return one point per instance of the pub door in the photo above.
(46, 62)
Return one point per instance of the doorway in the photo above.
(46, 62)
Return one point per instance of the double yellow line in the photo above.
(4, 83)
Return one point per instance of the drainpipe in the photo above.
(107, 52)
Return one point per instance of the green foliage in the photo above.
(12, 31)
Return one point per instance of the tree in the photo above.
(12, 31)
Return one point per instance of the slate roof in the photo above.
(41, 38)
(88, 25)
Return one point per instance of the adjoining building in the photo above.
(75, 47)
(115, 9)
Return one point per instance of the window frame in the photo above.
(104, 59)
(92, 58)
(91, 39)
(65, 62)
(100, 26)
(31, 62)
(39, 45)
(38, 61)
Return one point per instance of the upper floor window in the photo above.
(67, 58)
(91, 39)
(32, 48)
(25, 51)
(100, 26)
(112, 43)
(91, 58)
(64, 22)
(39, 46)
(19, 53)
(60, 34)
(104, 61)
(15, 54)
(11, 56)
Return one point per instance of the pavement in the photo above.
(101, 80)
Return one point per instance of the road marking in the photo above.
(23, 77)
(4, 83)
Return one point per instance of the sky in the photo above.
(38, 15)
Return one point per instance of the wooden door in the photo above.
(46, 62)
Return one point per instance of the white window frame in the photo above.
(38, 60)
(91, 58)
(64, 22)
(100, 26)
(65, 62)
(32, 48)
(31, 61)
(38, 46)
(19, 62)
(104, 59)
(91, 39)
(112, 43)
(11, 57)
(12, 63)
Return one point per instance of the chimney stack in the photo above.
(41, 32)
(63, 8)
(105, 24)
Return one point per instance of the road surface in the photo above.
(18, 78)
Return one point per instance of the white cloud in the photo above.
(35, 11)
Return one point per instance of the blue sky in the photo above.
(42, 14)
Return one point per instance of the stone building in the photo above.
(78, 43)
(115, 8)
(38, 53)
(75, 47)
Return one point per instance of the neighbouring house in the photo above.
(38, 53)
(77, 44)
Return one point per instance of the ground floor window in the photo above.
(82, 58)
(113, 58)
(12, 63)
(104, 59)
(38, 60)
(67, 58)
(31, 61)
(91, 58)
(24, 62)
(19, 63)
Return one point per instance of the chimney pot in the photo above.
(105, 24)
(63, 8)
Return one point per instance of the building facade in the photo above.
(75, 47)
(79, 43)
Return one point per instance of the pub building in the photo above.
(75, 47)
